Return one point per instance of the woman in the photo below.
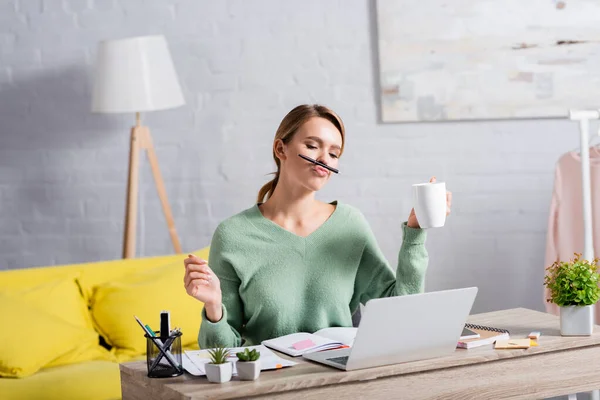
(292, 263)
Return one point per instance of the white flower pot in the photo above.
(576, 320)
(248, 370)
(219, 373)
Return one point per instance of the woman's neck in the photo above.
(290, 204)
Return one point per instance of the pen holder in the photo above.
(164, 359)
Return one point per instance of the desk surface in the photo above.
(309, 375)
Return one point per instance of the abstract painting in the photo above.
(487, 59)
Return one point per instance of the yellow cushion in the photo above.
(59, 297)
(144, 294)
(92, 380)
(32, 338)
(62, 298)
(95, 274)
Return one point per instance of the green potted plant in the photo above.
(573, 286)
(248, 364)
(219, 369)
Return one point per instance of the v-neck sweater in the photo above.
(274, 282)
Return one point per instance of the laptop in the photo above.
(405, 328)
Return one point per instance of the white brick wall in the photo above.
(244, 64)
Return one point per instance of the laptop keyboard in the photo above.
(339, 360)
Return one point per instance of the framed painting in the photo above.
(486, 59)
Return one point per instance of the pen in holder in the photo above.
(164, 359)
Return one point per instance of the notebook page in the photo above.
(289, 340)
(343, 335)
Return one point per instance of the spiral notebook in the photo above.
(487, 335)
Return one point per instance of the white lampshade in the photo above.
(135, 75)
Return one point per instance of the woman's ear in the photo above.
(280, 149)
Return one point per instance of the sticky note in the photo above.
(533, 342)
(513, 344)
(303, 344)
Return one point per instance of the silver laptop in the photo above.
(398, 329)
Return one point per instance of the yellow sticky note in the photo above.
(533, 343)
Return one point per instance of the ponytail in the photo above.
(267, 189)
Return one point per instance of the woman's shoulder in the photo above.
(348, 210)
(351, 214)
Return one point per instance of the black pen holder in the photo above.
(164, 358)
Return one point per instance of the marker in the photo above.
(150, 331)
(165, 325)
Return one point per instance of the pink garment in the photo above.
(565, 223)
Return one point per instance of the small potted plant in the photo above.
(248, 364)
(574, 288)
(219, 369)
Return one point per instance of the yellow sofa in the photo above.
(44, 309)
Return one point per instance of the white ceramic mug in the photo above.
(430, 204)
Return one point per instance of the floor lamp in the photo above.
(135, 75)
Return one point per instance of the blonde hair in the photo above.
(287, 129)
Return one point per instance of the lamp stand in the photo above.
(141, 139)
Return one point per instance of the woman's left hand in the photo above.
(412, 218)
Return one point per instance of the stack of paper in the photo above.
(194, 360)
(487, 335)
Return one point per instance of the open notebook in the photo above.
(296, 344)
(487, 335)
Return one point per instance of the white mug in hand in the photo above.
(430, 204)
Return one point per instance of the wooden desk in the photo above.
(559, 365)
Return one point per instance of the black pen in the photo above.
(319, 164)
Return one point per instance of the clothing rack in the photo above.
(584, 117)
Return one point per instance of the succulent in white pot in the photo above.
(248, 364)
(219, 369)
(573, 286)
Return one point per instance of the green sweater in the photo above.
(274, 282)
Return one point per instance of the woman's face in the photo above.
(318, 139)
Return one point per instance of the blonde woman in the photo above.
(291, 263)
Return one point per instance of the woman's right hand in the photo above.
(203, 284)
